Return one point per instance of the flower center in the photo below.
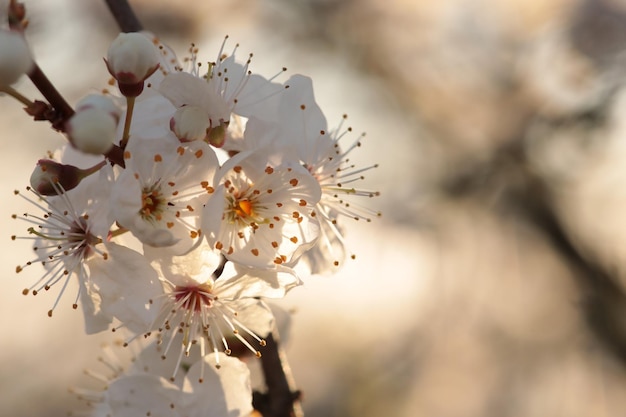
(152, 203)
(194, 298)
(81, 239)
(243, 208)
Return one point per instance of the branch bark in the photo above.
(281, 399)
(124, 16)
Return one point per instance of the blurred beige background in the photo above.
(492, 286)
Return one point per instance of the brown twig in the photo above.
(124, 15)
(62, 110)
(281, 399)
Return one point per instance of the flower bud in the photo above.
(92, 130)
(190, 123)
(15, 57)
(217, 135)
(53, 178)
(131, 59)
(99, 101)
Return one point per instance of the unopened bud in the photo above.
(131, 59)
(217, 135)
(15, 57)
(190, 123)
(99, 101)
(92, 130)
(53, 178)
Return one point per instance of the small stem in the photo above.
(130, 105)
(51, 94)
(118, 232)
(16, 95)
(220, 269)
(87, 172)
(124, 15)
(16, 16)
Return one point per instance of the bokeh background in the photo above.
(492, 286)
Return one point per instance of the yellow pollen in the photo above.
(243, 208)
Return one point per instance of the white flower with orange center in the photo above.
(300, 131)
(259, 215)
(159, 196)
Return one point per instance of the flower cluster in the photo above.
(184, 199)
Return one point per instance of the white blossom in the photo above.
(300, 132)
(260, 213)
(68, 233)
(160, 194)
(207, 311)
(143, 389)
(226, 87)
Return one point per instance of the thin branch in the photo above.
(604, 299)
(282, 399)
(63, 111)
(530, 197)
(124, 15)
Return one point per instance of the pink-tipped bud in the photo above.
(92, 130)
(102, 102)
(190, 123)
(53, 178)
(131, 59)
(15, 57)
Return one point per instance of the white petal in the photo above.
(126, 283)
(96, 320)
(184, 89)
(194, 267)
(224, 392)
(270, 283)
(143, 395)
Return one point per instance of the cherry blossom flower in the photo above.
(300, 132)
(263, 211)
(225, 87)
(160, 194)
(142, 389)
(68, 234)
(206, 311)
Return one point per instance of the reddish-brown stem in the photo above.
(124, 15)
(63, 111)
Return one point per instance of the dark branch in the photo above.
(62, 110)
(124, 15)
(281, 400)
(530, 198)
(604, 299)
